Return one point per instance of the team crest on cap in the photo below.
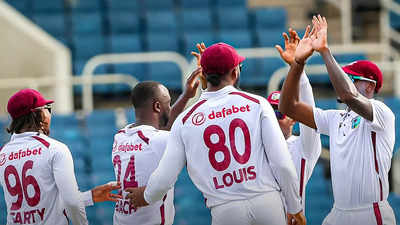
(275, 96)
(3, 159)
(198, 119)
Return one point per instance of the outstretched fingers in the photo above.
(307, 32)
(322, 21)
(114, 197)
(286, 38)
(194, 75)
(315, 23)
(203, 47)
(279, 48)
(294, 37)
(313, 33)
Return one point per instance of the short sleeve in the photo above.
(322, 120)
(383, 117)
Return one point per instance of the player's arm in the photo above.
(344, 87)
(289, 102)
(101, 193)
(279, 158)
(309, 137)
(165, 175)
(280, 162)
(63, 172)
(190, 91)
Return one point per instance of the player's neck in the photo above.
(219, 87)
(27, 129)
(147, 121)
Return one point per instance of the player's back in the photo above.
(30, 190)
(223, 144)
(136, 153)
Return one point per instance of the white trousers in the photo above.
(376, 214)
(264, 209)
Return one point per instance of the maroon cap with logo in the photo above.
(219, 59)
(273, 98)
(24, 101)
(366, 69)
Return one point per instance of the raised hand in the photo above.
(291, 43)
(304, 48)
(103, 193)
(201, 47)
(136, 197)
(320, 39)
(192, 83)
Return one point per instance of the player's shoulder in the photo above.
(382, 106)
(121, 133)
(188, 112)
(246, 96)
(50, 143)
(160, 134)
(330, 112)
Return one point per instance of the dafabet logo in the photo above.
(198, 119)
(3, 159)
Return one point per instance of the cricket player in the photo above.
(234, 151)
(37, 172)
(139, 147)
(361, 136)
(306, 148)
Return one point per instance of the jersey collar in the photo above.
(22, 135)
(220, 92)
(131, 130)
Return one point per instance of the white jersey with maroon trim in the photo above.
(37, 175)
(306, 148)
(360, 153)
(234, 150)
(136, 153)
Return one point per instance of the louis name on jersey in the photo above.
(242, 174)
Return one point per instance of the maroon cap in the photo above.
(366, 69)
(273, 98)
(219, 59)
(24, 101)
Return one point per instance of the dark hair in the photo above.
(143, 92)
(31, 120)
(214, 79)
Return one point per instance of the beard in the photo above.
(164, 118)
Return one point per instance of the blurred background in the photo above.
(88, 54)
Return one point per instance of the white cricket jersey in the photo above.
(233, 148)
(306, 148)
(360, 153)
(137, 150)
(37, 176)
